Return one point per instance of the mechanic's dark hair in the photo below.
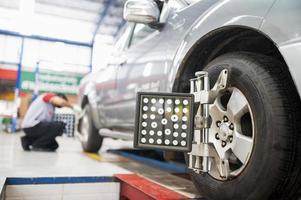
(63, 96)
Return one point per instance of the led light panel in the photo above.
(164, 121)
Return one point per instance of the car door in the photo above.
(106, 79)
(147, 63)
(142, 71)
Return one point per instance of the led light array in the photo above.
(164, 121)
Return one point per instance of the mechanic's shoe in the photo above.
(25, 143)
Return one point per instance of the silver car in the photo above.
(257, 41)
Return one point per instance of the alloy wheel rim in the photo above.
(232, 134)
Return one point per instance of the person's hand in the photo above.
(77, 109)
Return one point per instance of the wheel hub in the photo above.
(225, 131)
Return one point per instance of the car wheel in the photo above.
(255, 131)
(90, 138)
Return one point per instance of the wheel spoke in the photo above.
(242, 147)
(237, 106)
(216, 111)
(224, 168)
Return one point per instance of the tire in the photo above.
(273, 169)
(91, 140)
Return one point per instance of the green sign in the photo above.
(50, 82)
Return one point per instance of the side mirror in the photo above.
(141, 11)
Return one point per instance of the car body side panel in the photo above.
(144, 70)
(100, 88)
(105, 83)
(291, 54)
(183, 29)
(225, 13)
(282, 25)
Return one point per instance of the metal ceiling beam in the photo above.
(43, 38)
(102, 16)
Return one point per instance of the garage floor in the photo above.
(70, 161)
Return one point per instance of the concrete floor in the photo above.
(70, 161)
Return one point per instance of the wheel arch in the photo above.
(89, 97)
(221, 41)
(84, 101)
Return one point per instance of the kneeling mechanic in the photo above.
(38, 125)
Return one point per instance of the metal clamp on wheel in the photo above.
(202, 150)
(166, 120)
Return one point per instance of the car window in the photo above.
(177, 4)
(192, 1)
(123, 37)
(141, 31)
